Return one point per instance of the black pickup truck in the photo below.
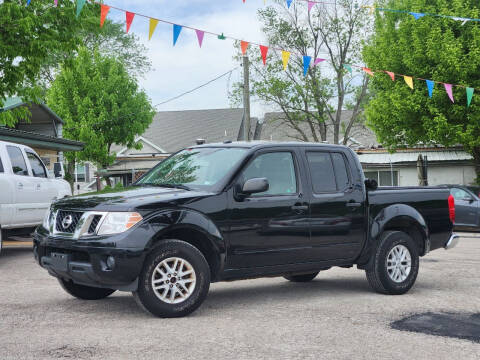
(241, 210)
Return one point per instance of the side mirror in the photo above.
(371, 184)
(469, 199)
(252, 186)
(57, 170)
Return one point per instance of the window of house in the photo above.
(383, 178)
(81, 171)
(19, 166)
(38, 169)
(278, 168)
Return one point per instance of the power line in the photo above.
(196, 88)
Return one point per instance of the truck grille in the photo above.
(67, 221)
(93, 225)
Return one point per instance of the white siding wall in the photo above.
(451, 174)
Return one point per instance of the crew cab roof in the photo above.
(265, 144)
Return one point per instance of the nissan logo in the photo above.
(67, 221)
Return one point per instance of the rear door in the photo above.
(7, 204)
(337, 206)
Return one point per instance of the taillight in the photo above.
(451, 208)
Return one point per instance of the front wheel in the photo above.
(394, 266)
(302, 277)
(174, 281)
(84, 292)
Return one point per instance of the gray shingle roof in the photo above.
(275, 128)
(175, 130)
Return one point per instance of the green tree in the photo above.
(100, 104)
(35, 40)
(430, 48)
(312, 104)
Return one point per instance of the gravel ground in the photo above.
(336, 316)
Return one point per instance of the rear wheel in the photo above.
(174, 281)
(302, 277)
(394, 266)
(84, 292)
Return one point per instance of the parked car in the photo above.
(26, 189)
(467, 202)
(241, 210)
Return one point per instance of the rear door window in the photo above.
(321, 172)
(19, 166)
(36, 164)
(341, 173)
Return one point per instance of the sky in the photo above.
(179, 68)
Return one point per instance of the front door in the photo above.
(337, 207)
(269, 228)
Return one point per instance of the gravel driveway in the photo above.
(334, 316)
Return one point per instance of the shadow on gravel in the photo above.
(461, 326)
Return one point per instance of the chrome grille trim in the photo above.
(82, 227)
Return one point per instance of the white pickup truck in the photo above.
(26, 189)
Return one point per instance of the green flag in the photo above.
(348, 67)
(469, 95)
(80, 4)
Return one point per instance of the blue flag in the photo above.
(306, 64)
(417, 15)
(430, 84)
(176, 33)
(289, 2)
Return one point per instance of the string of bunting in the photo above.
(285, 55)
(310, 3)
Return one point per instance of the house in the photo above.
(169, 132)
(445, 165)
(43, 132)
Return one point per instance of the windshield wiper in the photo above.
(166, 185)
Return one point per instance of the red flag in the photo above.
(244, 46)
(129, 16)
(104, 9)
(264, 51)
(368, 71)
(392, 75)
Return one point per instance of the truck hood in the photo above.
(130, 199)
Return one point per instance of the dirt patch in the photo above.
(71, 352)
(461, 326)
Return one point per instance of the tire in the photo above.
(84, 292)
(163, 266)
(383, 275)
(302, 277)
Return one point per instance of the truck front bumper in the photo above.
(452, 241)
(106, 265)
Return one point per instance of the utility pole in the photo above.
(246, 99)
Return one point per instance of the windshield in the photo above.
(201, 168)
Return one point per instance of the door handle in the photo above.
(20, 186)
(353, 204)
(298, 208)
(38, 186)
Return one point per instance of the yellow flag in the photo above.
(409, 81)
(153, 25)
(285, 58)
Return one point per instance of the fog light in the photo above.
(110, 262)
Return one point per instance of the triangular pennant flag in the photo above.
(55, 2)
(151, 27)
(310, 5)
(463, 20)
(176, 33)
(80, 4)
(129, 18)
(448, 89)
(417, 15)
(469, 95)
(430, 85)
(409, 81)
(104, 9)
(28, 2)
(306, 64)
(348, 67)
(285, 58)
(391, 74)
(200, 35)
(368, 71)
(318, 61)
(244, 46)
(264, 51)
(289, 2)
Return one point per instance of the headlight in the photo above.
(118, 222)
(46, 220)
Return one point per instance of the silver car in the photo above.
(467, 202)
